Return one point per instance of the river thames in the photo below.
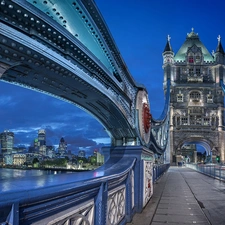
(7, 174)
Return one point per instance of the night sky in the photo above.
(140, 29)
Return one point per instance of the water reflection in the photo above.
(6, 173)
(7, 176)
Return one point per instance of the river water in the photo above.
(6, 173)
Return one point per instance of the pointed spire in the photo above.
(168, 47)
(219, 46)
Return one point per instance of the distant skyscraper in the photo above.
(35, 149)
(7, 142)
(62, 147)
(42, 142)
(41, 137)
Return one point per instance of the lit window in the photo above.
(198, 59)
(209, 98)
(180, 98)
(184, 121)
(206, 121)
(191, 59)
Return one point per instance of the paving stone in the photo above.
(184, 196)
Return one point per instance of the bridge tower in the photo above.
(196, 97)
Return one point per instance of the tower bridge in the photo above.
(197, 97)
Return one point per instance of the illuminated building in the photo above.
(41, 137)
(50, 151)
(100, 158)
(196, 97)
(19, 159)
(7, 142)
(42, 142)
(62, 149)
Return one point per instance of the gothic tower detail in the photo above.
(168, 61)
(197, 98)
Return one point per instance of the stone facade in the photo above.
(197, 97)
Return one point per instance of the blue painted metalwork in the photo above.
(64, 48)
(159, 170)
(160, 127)
(222, 85)
(42, 202)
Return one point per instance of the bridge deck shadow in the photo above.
(184, 196)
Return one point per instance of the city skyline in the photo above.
(140, 32)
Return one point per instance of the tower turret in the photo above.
(219, 54)
(168, 54)
(168, 61)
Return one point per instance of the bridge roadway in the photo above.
(184, 196)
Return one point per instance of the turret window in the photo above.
(180, 97)
(198, 59)
(191, 59)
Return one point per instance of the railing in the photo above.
(159, 170)
(112, 194)
(212, 170)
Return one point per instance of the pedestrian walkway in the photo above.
(184, 196)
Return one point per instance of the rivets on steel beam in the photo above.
(4, 41)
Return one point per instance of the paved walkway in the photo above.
(184, 196)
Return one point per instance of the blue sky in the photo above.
(140, 30)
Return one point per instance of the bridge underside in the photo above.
(47, 59)
(60, 82)
(38, 51)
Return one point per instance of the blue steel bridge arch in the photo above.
(42, 50)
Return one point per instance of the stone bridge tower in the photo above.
(197, 98)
